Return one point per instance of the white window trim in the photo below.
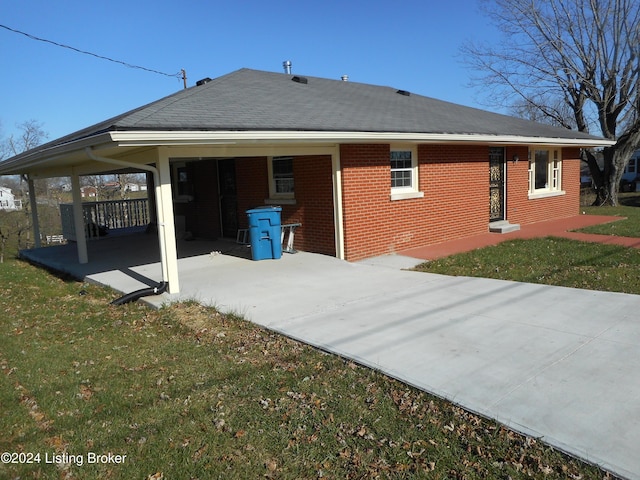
(275, 197)
(554, 174)
(405, 193)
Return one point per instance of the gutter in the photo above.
(161, 226)
(140, 138)
(49, 153)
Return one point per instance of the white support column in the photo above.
(34, 212)
(78, 218)
(166, 224)
(337, 202)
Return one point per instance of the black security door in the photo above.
(496, 184)
(228, 197)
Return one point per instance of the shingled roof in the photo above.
(247, 100)
(246, 105)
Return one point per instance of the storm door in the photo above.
(228, 197)
(496, 184)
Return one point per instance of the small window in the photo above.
(281, 181)
(401, 169)
(545, 171)
(404, 173)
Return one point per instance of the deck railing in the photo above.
(100, 217)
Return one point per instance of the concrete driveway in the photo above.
(555, 363)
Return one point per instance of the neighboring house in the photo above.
(631, 174)
(630, 181)
(135, 187)
(8, 200)
(88, 192)
(366, 170)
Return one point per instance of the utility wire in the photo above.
(33, 37)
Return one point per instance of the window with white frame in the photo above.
(404, 172)
(281, 183)
(545, 171)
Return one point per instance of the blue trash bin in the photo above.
(264, 232)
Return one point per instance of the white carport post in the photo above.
(34, 212)
(164, 208)
(337, 202)
(166, 225)
(78, 218)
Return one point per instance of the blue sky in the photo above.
(411, 45)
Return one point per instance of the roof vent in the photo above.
(287, 66)
(300, 80)
(203, 81)
(344, 78)
(404, 92)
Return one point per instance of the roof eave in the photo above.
(141, 138)
(33, 159)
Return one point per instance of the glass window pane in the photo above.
(401, 168)
(400, 159)
(401, 178)
(283, 175)
(542, 169)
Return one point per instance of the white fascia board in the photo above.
(37, 158)
(157, 138)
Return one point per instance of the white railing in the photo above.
(100, 217)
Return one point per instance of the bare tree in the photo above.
(562, 114)
(580, 54)
(18, 224)
(31, 135)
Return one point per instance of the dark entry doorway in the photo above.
(496, 184)
(228, 197)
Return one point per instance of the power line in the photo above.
(33, 37)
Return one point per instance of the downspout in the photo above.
(337, 203)
(156, 180)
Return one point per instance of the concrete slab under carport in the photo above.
(555, 363)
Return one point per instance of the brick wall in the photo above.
(455, 182)
(521, 209)
(314, 199)
(314, 205)
(252, 183)
(454, 179)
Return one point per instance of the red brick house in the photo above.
(366, 170)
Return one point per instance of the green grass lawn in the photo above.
(559, 261)
(187, 393)
(551, 261)
(628, 208)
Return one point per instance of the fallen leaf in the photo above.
(200, 452)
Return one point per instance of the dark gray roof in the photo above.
(247, 100)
